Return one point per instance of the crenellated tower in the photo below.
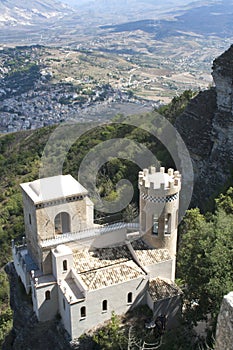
(159, 205)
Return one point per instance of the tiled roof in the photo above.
(85, 260)
(160, 288)
(111, 275)
(108, 266)
(147, 255)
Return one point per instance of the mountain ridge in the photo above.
(16, 13)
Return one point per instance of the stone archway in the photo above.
(62, 223)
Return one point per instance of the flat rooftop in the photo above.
(52, 188)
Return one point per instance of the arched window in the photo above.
(83, 311)
(104, 305)
(62, 223)
(30, 219)
(130, 298)
(64, 265)
(47, 295)
(155, 224)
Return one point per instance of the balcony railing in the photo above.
(87, 233)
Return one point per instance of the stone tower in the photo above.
(159, 205)
(53, 206)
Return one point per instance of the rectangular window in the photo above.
(83, 312)
(130, 298)
(143, 218)
(104, 305)
(167, 224)
(155, 225)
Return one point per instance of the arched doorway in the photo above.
(62, 223)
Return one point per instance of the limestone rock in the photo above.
(222, 75)
(27, 333)
(206, 127)
(224, 333)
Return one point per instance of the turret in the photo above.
(159, 205)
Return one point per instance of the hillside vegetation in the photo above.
(20, 161)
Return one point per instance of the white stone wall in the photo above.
(163, 270)
(224, 332)
(116, 297)
(21, 270)
(47, 309)
(57, 263)
(77, 210)
(30, 224)
(65, 312)
(171, 307)
(110, 239)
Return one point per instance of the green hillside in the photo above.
(20, 161)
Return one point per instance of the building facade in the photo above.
(84, 271)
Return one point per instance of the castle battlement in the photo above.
(159, 183)
(85, 271)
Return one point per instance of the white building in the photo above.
(84, 271)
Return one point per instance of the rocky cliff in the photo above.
(206, 127)
(27, 333)
(224, 333)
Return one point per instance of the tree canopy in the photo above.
(205, 261)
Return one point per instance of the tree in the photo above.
(225, 201)
(205, 262)
(112, 336)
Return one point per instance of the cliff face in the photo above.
(27, 333)
(224, 332)
(222, 75)
(206, 127)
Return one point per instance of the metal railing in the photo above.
(87, 233)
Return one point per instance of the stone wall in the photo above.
(224, 332)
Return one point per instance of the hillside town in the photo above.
(31, 98)
(53, 104)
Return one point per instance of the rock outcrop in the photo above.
(27, 333)
(222, 75)
(224, 332)
(206, 127)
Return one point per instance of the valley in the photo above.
(88, 57)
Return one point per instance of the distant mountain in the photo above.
(124, 3)
(207, 19)
(26, 13)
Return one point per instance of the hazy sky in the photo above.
(156, 2)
